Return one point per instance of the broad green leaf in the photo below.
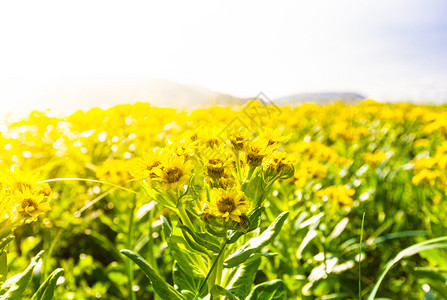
(256, 243)
(240, 284)
(106, 244)
(204, 239)
(191, 241)
(187, 260)
(16, 285)
(217, 291)
(184, 281)
(272, 290)
(161, 287)
(46, 290)
(188, 295)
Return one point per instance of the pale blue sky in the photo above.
(388, 50)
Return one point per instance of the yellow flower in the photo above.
(210, 136)
(278, 163)
(173, 173)
(229, 204)
(339, 194)
(421, 143)
(143, 168)
(7, 209)
(436, 199)
(374, 159)
(215, 161)
(20, 180)
(256, 150)
(227, 181)
(30, 205)
(181, 145)
(238, 138)
(114, 170)
(308, 170)
(425, 163)
(428, 176)
(273, 136)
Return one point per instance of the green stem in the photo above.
(211, 269)
(129, 268)
(48, 253)
(360, 255)
(219, 269)
(238, 166)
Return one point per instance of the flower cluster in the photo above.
(22, 199)
(220, 164)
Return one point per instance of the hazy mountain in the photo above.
(85, 94)
(320, 98)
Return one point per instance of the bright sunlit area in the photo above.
(223, 150)
(67, 55)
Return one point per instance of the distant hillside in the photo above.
(320, 98)
(67, 98)
(158, 92)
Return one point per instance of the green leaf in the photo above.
(46, 290)
(191, 241)
(184, 281)
(158, 197)
(187, 260)
(427, 245)
(106, 244)
(3, 266)
(204, 239)
(397, 235)
(167, 229)
(5, 241)
(217, 291)
(256, 243)
(16, 285)
(188, 295)
(163, 289)
(241, 283)
(272, 290)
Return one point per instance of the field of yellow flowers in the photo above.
(247, 202)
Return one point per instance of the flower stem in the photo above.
(129, 269)
(211, 269)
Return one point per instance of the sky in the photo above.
(385, 50)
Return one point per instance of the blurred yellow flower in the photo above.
(374, 159)
(339, 194)
(30, 205)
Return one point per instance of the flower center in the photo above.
(173, 175)
(29, 204)
(226, 205)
